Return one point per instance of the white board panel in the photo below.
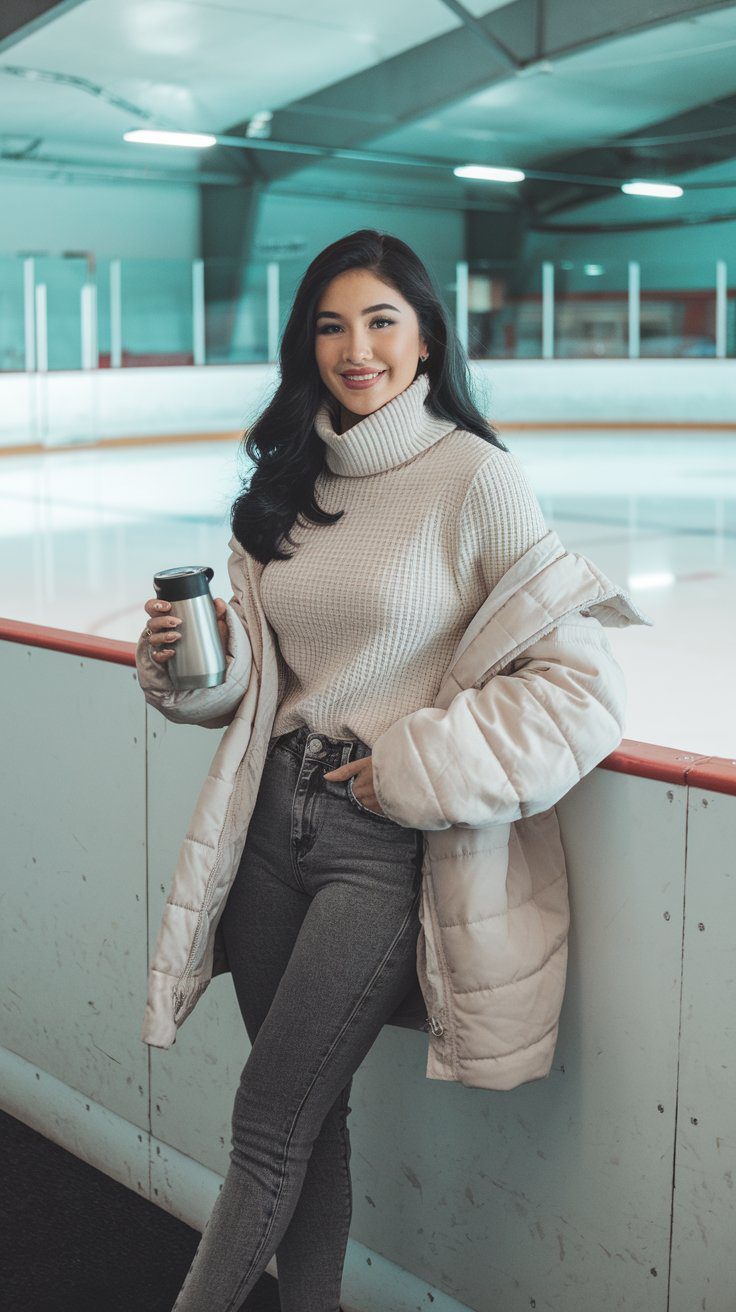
(193, 1082)
(703, 1274)
(73, 872)
(555, 1195)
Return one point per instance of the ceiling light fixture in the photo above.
(260, 124)
(148, 137)
(481, 173)
(664, 189)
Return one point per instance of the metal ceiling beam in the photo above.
(643, 225)
(506, 56)
(20, 18)
(53, 168)
(448, 69)
(25, 152)
(702, 136)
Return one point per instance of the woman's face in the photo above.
(367, 343)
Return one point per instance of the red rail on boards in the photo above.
(668, 764)
(74, 644)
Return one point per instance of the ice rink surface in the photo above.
(82, 533)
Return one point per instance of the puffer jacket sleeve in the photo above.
(512, 747)
(212, 708)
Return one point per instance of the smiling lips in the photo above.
(359, 378)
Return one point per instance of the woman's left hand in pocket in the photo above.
(362, 771)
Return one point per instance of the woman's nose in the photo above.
(356, 350)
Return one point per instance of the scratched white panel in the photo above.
(704, 1218)
(18, 419)
(73, 872)
(193, 1082)
(127, 402)
(555, 1195)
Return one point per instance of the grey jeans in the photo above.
(320, 927)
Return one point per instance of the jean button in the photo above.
(314, 745)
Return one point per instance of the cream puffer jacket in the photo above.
(532, 701)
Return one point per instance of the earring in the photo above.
(424, 358)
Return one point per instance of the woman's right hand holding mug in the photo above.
(164, 628)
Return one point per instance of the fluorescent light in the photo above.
(651, 189)
(483, 174)
(151, 138)
(593, 270)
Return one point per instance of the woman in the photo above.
(404, 511)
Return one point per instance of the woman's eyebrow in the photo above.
(370, 309)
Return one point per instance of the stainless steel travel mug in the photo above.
(199, 660)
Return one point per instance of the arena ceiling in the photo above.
(380, 101)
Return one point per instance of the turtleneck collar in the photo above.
(388, 437)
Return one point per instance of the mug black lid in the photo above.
(183, 582)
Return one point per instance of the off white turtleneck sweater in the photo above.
(369, 610)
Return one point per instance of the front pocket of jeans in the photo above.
(365, 809)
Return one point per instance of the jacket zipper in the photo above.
(434, 1025)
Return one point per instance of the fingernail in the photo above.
(161, 605)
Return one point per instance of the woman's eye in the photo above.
(330, 328)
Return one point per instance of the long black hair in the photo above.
(283, 445)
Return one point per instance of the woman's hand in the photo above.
(165, 628)
(363, 786)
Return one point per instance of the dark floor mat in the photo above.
(73, 1240)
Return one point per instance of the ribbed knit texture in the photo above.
(369, 610)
